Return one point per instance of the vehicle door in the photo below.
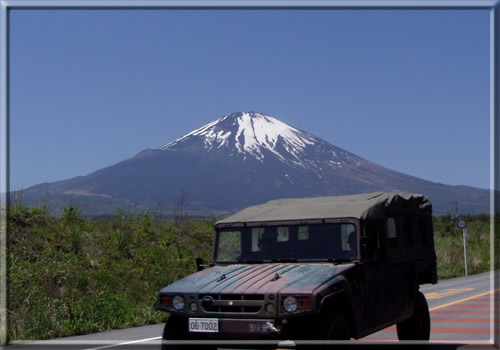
(400, 270)
(373, 275)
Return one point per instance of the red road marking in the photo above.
(462, 320)
(480, 305)
(432, 341)
(475, 306)
(460, 330)
(462, 312)
(378, 339)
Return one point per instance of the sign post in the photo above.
(461, 223)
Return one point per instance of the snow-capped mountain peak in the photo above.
(238, 160)
(250, 134)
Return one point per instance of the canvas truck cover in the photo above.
(360, 206)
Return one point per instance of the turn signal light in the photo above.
(164, 299)
(270, 308)
(305, 302)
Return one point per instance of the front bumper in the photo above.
(256, 327)
(230, 328)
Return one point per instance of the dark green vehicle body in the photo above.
(360, 258)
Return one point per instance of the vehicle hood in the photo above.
(258, 279)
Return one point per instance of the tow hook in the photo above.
(271, 327)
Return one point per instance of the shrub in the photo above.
(73, 276)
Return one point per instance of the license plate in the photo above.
(210, 325)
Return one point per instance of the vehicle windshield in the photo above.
(287, 243)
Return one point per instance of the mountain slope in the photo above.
(243, 159)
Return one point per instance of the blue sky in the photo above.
(406, 89)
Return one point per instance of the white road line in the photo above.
(124, 343)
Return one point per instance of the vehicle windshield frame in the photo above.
(299, 241)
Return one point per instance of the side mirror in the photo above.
(200, 264)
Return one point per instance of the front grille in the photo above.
(231, 303)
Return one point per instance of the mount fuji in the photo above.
(238, 160)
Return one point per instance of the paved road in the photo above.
(461, 312)
(462, 315)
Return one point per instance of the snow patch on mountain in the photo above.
(251, 134)
(264, 132)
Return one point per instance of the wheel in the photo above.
(176, 329)
(336, 326)
(332, 326)
(418, 326)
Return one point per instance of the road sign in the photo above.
(461, 223)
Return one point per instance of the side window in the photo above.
(391, 228)
(256, 235)
(392, 233)
(348, 240)
(283, 234)
(303, 233)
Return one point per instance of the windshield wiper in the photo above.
(250, 261)
(330, 260)
(287, 260)
(339, 260)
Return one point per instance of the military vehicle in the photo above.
(311, 269)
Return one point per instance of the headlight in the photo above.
(290, 304)
(178, 302)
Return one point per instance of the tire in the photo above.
(333, 326)
(176, 329)
(418, 326)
